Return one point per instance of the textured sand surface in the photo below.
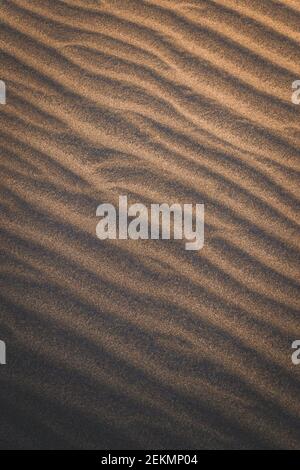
(141, 344)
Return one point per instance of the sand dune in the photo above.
(140, 344)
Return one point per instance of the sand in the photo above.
(122, 344)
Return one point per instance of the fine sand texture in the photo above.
(123, 344)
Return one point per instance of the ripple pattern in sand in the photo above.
(123, 344)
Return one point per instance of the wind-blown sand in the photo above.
(141, 344)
